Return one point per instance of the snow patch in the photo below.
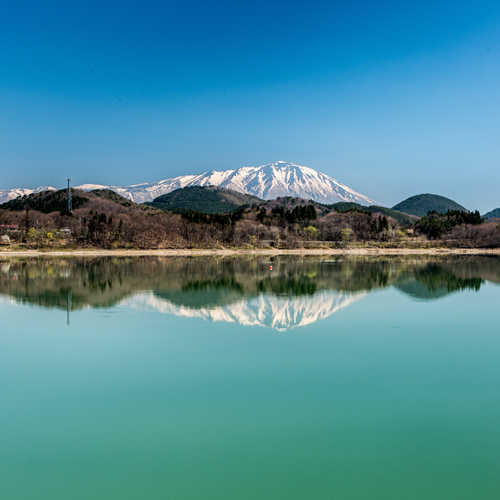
(266, 181)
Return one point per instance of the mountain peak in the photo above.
(269, 181)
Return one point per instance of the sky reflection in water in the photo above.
(393, 397)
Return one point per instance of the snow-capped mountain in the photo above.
(10, 194)
(267, 182)
(266, 310)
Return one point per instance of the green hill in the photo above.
(494, 214)
(421, 204)
(45, 202)
(203, 199)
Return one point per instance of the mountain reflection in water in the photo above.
(298, 291)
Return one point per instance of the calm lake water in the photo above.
(204, 378)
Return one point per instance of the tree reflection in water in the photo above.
(208, 285)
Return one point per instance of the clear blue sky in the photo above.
(390, 98)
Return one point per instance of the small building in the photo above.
(7, 228)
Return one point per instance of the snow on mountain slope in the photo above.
(270, 311)
(267, 182)
(288, 179)
(10, 194)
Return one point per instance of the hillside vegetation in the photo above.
(292, 202)
(422, 204)
(435, 225)
(494, 214)
(204, 199)
(107, 194)
(45, 202)
(106, 220)
(348, 206)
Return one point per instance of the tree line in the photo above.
(102, 223)
(434, 224)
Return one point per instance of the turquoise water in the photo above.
(210, 379)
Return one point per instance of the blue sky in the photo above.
(391, 98)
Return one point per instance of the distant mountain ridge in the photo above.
(421, 204)
(266, 182)
(12, 194)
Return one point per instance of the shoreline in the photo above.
(270, 252)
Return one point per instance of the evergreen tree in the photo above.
(27, 219)
(261, 215)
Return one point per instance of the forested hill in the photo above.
(48, 202)
(203, 199)
(421, 204)
(494, 214)
(346, 206)
(107, 194)
(45, 201)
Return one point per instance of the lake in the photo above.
(219, 378)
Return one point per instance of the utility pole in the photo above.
(69, 207)
(68, 306)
